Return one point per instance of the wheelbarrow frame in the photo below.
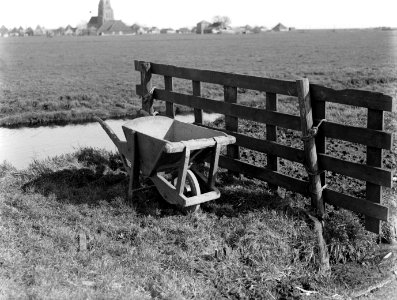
(190, 151)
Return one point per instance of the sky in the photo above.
(303, 14)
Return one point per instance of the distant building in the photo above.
(114, 27)
(154, 30)
(29, 32)
(69, 30)
(201, 26)
(183, 30)
(21, 31)
(280, 27)
(167, 31)
(3, 31)
(14, 32)
(105, 13)
(39, 30)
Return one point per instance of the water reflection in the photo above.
(21, 146)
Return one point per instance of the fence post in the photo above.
(271, 135)
(146, 85)
(198, 113)
(374, 159)
(231, 123)
(169, 106)
(311, 160)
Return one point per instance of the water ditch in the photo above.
(23, 145)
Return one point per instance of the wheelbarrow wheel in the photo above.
(191, 188)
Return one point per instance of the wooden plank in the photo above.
(362, 172)
(231, 124)
(365, 136)
(326, 162)
(372, 100)
(265, 146)
(358, 205)
(235, 110)
(331, 197)
(169, 106)
(283, 87)
(374, 158)
(198, 113)
(311, 160)
(290, 183)
(271, 135)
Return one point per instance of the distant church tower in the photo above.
(105, 12)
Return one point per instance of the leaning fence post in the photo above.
(311, 160)
(146, 85)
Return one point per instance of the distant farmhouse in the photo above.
(280, 27)
(3, 31)
(201, 26)
(105, 24)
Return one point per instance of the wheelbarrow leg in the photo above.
(132, 148)
(214, 164)
(180, 185)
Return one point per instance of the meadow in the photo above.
(47, 80)
(66, 230)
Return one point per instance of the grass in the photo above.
(80, 77)
(66, 232)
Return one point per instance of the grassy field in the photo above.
(46, 80)
(66, 231)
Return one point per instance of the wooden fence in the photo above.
(312, 99)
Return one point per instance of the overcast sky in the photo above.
(181, 13)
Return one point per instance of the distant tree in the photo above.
(225, 20)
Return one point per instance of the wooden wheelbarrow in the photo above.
(160, 147)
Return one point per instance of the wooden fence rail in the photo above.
(312, 99)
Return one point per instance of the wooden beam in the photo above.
(198, 113)
(364, 136)
(276, 178)
(271, 135)
(283, 87)
(231, 124)
(234, 110)
(368, 99)
(169, 106)
(374, 158)
(362, 206)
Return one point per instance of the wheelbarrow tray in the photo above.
(162, 140)
(157, 145)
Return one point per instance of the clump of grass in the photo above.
(346, 237)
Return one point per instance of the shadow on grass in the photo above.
(100, 177)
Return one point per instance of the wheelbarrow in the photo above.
(160, 147)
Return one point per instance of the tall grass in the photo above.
(67, 232)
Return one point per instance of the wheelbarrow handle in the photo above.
(197, 144)
(121, 145)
